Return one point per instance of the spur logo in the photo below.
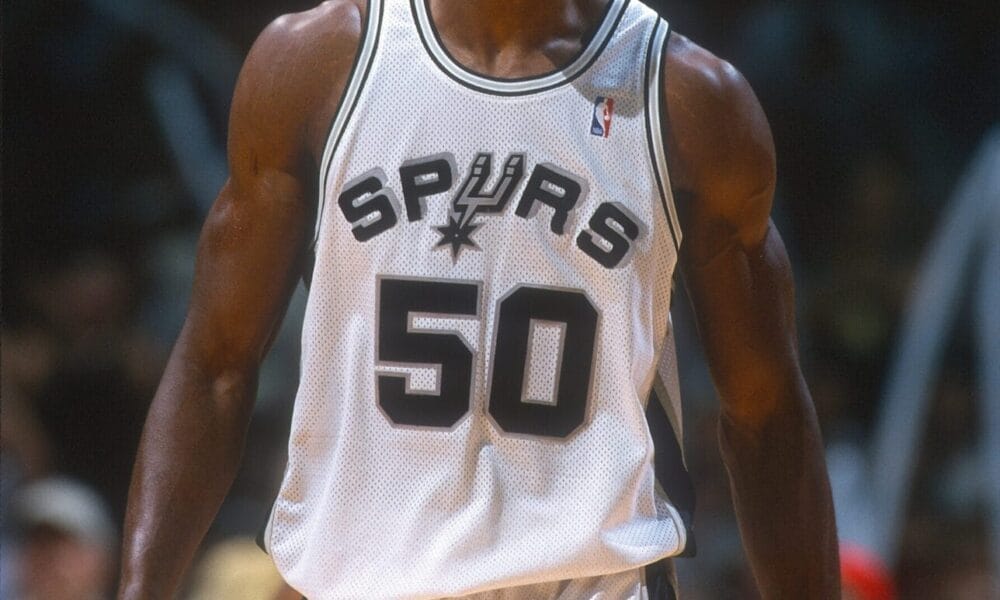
(473, 199)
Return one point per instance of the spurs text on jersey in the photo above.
(372, 207)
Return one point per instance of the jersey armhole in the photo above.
(655, 53)
(348, 101)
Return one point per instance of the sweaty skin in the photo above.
(254, 242)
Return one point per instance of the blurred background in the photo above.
(885, 117)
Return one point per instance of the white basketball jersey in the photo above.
(488, 307)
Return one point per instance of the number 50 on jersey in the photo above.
(402, 342)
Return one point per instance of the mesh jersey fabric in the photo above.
(488, 306)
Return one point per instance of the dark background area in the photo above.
(876, 108)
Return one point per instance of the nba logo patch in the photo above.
(600, 124)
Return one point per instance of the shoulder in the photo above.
(294, 75)
(720, 149)
(298, 40)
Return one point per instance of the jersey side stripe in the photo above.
(359, 74)
(671, 473)
(654, 127)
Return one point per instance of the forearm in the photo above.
(782, 498)
(188, 457)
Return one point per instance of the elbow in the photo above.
(775, 426)
(213, 380)
(233, 390)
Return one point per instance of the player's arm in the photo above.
(740, 282)
(250, 257)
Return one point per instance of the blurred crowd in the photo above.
(113, 132)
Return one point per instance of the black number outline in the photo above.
(588, 405)
(380, 363)
(470, 398)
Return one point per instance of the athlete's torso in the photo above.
(489, 303)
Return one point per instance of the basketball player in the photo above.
(488, 199)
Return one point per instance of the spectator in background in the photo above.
(236, 569)
(864, 577)
(67, 544)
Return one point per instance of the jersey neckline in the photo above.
(431, 40)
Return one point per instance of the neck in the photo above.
(491, 33)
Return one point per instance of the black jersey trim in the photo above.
(660, 580)
(349, 98)
(668, 465)
(655, 53)
(521, 86)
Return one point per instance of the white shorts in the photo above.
(653, 582)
